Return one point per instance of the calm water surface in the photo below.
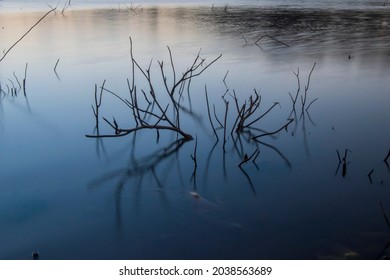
(72, 197)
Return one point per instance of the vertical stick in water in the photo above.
(24, 80)
(55, 67)
(208, 112)
(224, 124)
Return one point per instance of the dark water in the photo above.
(72, 197)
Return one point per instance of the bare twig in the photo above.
(208, 112)
(276, 40)
(55, 66)
(194, 158)
(25, 34)
(224, 124)
(304, 97)
(274, 132)
(24, 80)
(155, 116)
(194, 155)
(224, 78)
(249, 180)
(216, 117)
(343, 162)
(98, 103)
(294, 100)
(17, 80)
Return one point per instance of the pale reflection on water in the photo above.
(70, 197)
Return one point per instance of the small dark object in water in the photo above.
(35, 255)
(195, 195)
(349, 57)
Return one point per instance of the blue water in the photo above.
(72, 197)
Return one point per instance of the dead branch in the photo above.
(224, 124)
(208, 112)
(24, 80)
(25, 34)
(156, 115)
(304, 97)
(274, 132)
(294, 100)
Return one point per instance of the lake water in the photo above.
(133, 197)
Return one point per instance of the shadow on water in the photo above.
(137, 170)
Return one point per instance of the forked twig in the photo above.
(156, 115)
(304, 97)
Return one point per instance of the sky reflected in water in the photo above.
(72, 197)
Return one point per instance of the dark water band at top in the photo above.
(19, 4)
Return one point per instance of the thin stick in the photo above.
(338, 155)
(24, 80)
(303, 99)
(274, 132)
(249, 180)
(224, 125)
(55, 67)
(17, 80)
(224, 78)
(194, 155)
(294, 100)
(215, 115)
(269, 110)
(25, 34)
(193, 177)
(310, 104)
(257, 154)
(208, 112)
